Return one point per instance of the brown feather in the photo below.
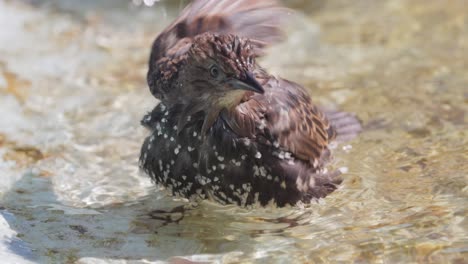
(257, 20)
(279, 116)
(212, 136)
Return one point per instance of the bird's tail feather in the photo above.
(324, 183)
(346, 125)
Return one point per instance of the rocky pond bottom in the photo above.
(72, 92)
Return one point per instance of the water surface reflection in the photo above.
(72, 91)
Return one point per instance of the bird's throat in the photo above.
(210, 118)
(228, 103)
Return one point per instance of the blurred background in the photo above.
(73, 90)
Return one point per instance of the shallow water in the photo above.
(72, 92)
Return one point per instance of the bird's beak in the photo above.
(249, 83)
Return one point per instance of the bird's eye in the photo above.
(214, 71)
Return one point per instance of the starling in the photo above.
(225, 129)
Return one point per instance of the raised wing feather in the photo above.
(258, 20)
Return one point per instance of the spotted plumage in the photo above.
(225, 129)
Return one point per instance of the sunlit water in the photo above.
(72, 92)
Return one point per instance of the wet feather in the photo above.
(267, 144)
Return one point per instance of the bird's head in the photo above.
(221, 69)
(217, 73)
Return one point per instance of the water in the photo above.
(72, 92)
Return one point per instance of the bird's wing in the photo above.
(285, 118)
(258, 20)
